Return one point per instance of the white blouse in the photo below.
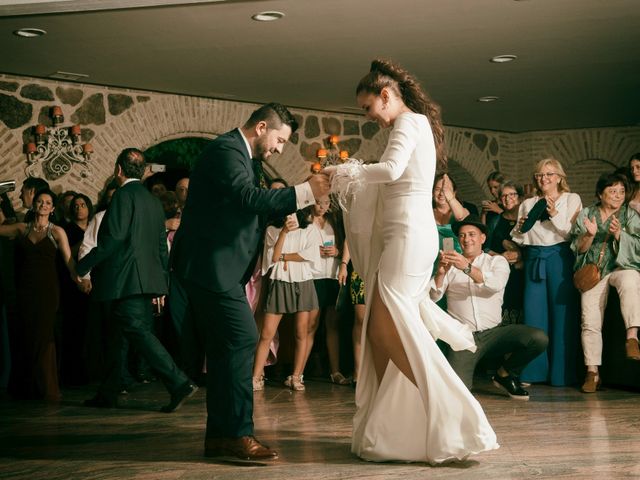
(553, 231)
(478, 305)
(304, 242)
(326, 267)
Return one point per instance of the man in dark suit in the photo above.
(214, 252)
(128, 268)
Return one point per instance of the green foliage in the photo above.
(180, 153)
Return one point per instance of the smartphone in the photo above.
(293, 217)
(7, 186)
(447, 244)
(157, 167)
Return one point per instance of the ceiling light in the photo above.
(267, 16)
(351, 109)
(503, 58)
(488, 98)
(68, 76)
(30, 32)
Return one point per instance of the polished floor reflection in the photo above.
(560, 433)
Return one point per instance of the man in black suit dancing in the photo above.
(128, 268)
(214, 253)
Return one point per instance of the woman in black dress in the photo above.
(75, 304)
(499, 242)
(37, 291)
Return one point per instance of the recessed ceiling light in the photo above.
(30, 32)
(267, 16)
(352, 109)
(488, 98)
(503, 58)
(68, 76)
(221, 95)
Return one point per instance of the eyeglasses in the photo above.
(538, 176)
(510, 195)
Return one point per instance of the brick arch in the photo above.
(477, 163)
(583, 179)
(160, 119)
(572, 147)
(175, 136)
(469, 187)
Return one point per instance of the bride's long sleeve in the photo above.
(402, 142)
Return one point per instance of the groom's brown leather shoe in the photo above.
(245, 448)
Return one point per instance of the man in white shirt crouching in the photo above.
(474, 283)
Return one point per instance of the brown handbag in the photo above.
(587, 276)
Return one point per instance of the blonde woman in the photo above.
(550, 300)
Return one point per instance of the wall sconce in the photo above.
(56, 149)
(329, 156)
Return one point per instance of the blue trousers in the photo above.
(551, 304)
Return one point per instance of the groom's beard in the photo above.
(261, 153)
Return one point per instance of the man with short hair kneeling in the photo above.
(474, 283)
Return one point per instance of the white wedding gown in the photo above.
(396, 247)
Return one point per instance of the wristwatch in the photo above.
(467, 270)
(282, 257)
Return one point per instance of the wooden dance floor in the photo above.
(559, 433)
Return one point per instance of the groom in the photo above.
(214, 253)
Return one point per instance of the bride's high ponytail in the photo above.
(384, 73)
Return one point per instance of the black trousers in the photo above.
(191, 337)
(232, 337)
(132, 318)
(521, 342)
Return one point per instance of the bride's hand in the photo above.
(320, 184)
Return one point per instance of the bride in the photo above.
(411, 406)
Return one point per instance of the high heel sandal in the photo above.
(258, 383)
(591, 382)
(295, 382)
(339, 379)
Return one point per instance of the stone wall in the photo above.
(113, 118)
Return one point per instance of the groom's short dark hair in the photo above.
(275, 114)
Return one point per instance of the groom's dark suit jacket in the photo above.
(220, 229)
(131, 257)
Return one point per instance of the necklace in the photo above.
(39, 228)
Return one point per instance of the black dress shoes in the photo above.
(244, 448)
(511, 385)
(100, 401)
(179, 397)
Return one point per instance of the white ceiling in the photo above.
(578, 60)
